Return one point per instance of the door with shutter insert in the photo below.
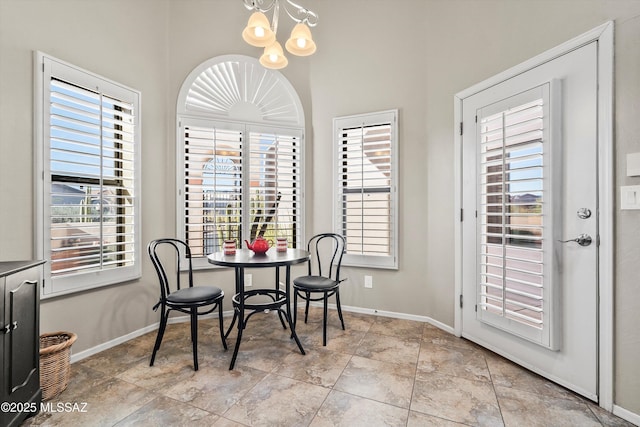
(529, 275)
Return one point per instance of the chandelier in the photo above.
(260, 33)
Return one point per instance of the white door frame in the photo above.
(604, 36)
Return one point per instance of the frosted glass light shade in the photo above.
(258, 31)
(300, 43)
(273, 57)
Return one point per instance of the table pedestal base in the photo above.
(277, 297)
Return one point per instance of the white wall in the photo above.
(124, 41)
(413, 55)
(365, 63)
(627, 289)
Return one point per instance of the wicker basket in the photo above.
(55, 363)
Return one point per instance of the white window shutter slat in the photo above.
(366, 211)
(239, 184)
(89, 208)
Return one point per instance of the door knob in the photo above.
(582, 240)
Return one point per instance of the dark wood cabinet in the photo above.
(20, 395)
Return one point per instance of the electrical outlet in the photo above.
(248, 280)
(368, 281)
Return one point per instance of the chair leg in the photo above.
(163, 325)
(324, 319)
(339, 309)
(233, 322)
(194, 336)
(295, 308)
(306, 308)
(224, 341)
(284, 326)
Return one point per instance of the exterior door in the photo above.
(529, 233)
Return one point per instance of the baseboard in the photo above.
(626, 415)
(75, 357)
(393, 314)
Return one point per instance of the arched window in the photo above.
(240, 156)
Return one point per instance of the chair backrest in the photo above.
(326, 250)
(164, 249)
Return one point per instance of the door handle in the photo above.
(10, 327)
(582, 240)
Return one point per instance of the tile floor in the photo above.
(380, 371)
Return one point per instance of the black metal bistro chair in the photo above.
(323, 277)
(173, 296)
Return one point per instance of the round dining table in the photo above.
(272, 298)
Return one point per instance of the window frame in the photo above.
(390, 117)
(246, 129)
(47, 67)
(238, 90)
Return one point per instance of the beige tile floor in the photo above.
(380, 371)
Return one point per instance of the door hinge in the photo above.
(461, 215)
(476, 308)
(476, 119)
(460, 300)
(460, 128)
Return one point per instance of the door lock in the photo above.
(582, 240)
(584, 213)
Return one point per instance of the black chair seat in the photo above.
(197, 294)
(315, 283)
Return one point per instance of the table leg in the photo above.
(288, 298)
(235, 309)
(240, 313)
(278, 287)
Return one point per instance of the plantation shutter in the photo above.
(515, 225)
(275, 186)
(253, 123)
(213, 194)
(89, 157)
(92, 170)
(238, 182)
(367, 205)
